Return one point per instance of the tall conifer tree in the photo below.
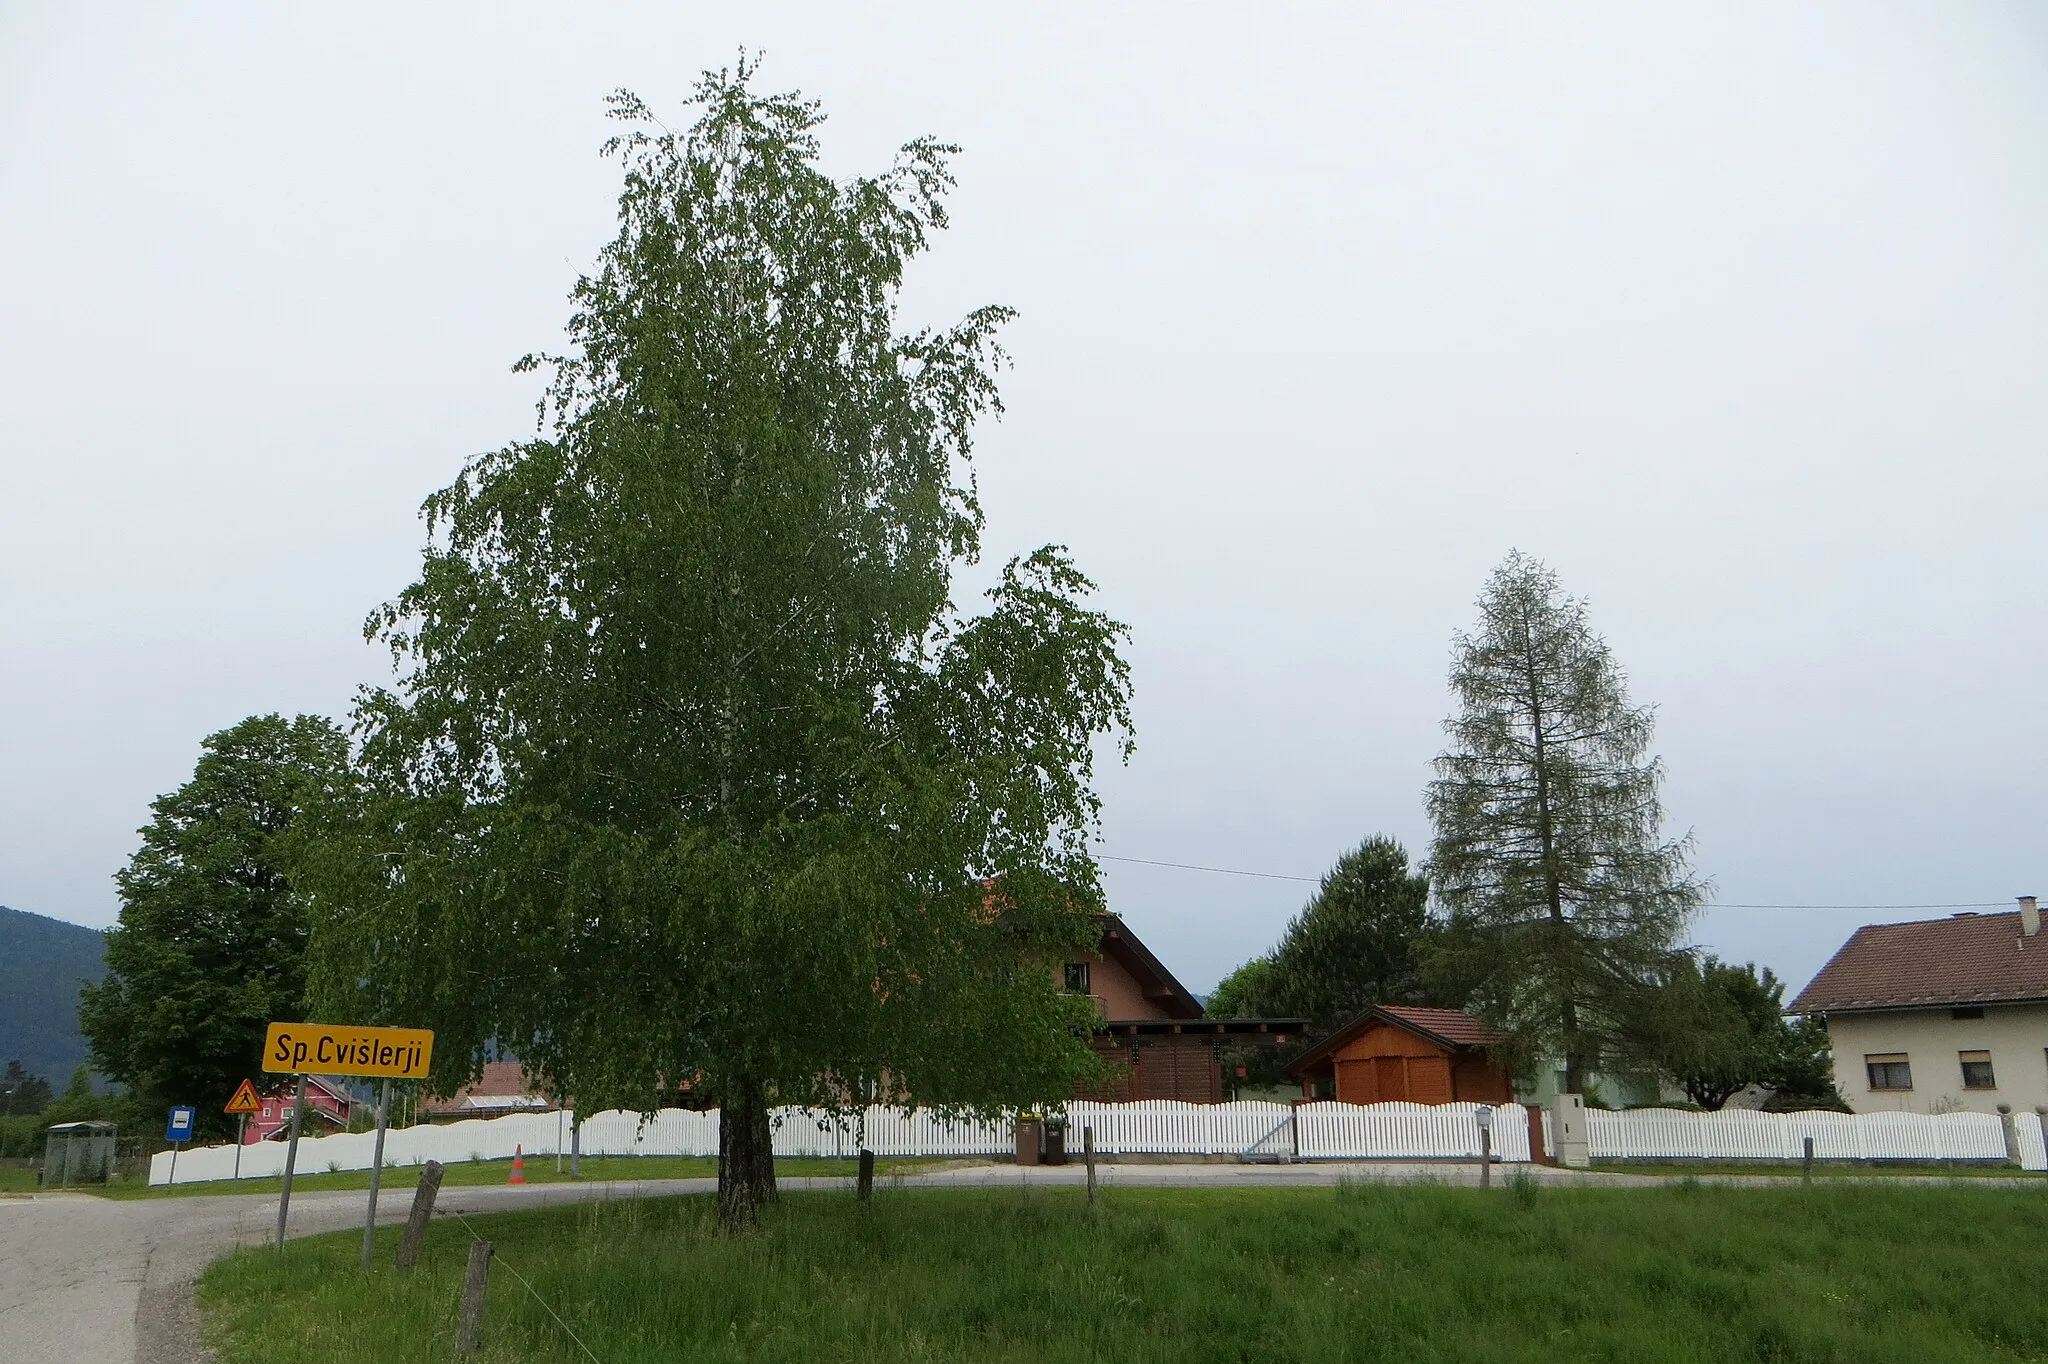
(1561, 898)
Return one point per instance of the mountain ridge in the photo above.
(42, 962)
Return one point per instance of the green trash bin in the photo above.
(1055, 1141)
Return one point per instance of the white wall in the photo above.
(2016, 1035)
(1316, 1131)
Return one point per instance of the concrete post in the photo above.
(2011, 1132)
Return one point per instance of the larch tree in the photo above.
(1561, 898)
(694, 773)
(211, 941)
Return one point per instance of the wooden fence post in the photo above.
(1806, 1161)
(422, 1209)
(1537, 1155)
(471, 1329)
(1088, 1155)
(864, 1187)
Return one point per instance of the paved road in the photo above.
(87, 1280)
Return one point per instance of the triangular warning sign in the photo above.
(245, 1100)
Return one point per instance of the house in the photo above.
(1152, 1029)
(1396, 1052)
(1939, 1014)
(328, 1108)
(501, 1089)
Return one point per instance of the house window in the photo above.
(1966, 1013)
(1888, 1071)
(1977, 1070)
(1077, 977)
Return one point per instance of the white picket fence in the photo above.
(1167, 1127)
(1250, 1130)
(1393, 1131)
(1741, 1134)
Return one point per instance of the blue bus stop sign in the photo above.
(180, 1128)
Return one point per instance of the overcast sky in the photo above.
(1737, 315)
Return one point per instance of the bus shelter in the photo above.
(78, 1153)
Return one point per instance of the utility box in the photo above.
(78, 1153)
(1030, 1136)
(1574, 1151)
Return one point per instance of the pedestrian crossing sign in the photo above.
(244, 1100)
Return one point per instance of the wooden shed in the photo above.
(1402, 1052)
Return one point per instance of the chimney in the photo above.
(2030, 915)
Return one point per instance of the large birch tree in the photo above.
(1561, 897)
(694, 773)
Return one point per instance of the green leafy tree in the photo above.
(694, 772)
(21, 1093)
(1562, 902)
(211, 940)
(1801, 1075)
(1714, 1029)
(1708, 1027)
(1242, 993)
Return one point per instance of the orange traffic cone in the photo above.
(518, 1166)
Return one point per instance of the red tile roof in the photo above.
(1966, 959)
(1452, 1025)
(502, 1085)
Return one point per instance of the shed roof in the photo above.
(1963, 959)
(1451, 1029)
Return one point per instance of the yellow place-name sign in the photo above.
(324, 1049)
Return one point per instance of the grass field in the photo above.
(1833, 1169)
(1298, 1276)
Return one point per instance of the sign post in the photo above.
(242, 1105)
(291, 1157)
(376, 1170)
(177, 1132)
(304, 1049)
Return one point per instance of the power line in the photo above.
(1312, 880)
(1977, 904)
(1219, 871)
